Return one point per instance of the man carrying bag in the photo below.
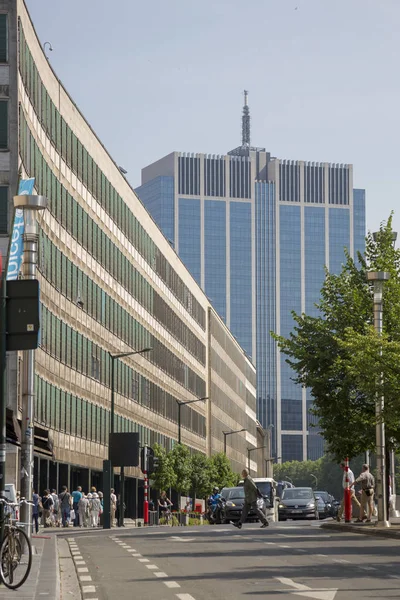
(251, 493)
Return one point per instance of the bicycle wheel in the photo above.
(15, 559)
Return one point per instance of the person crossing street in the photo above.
(251, 493)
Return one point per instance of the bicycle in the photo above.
(15, 550)
(167, 518)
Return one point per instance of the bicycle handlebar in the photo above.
(14, 504)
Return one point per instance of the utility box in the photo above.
(22, 314)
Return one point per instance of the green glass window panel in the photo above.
(70, 202)
(88, 435)
(98, 189)
(3, 209)
(79, 160)
(103, 190)
(84, 228)
(79, 354)
(84, 166)
(90, 173)
(63, 139)
(53, 122)
(44, 106)
(4, 124)
(58, 131)
(48, 115)
(94, 179)
(62, 411)
(83, 418)
(69, 147)
(99, 414)
(57, 408)
(79, 223)
(74, 218)
(79, 417)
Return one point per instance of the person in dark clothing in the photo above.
(36, 499)
(251, 493)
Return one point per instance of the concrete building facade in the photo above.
(110, 282)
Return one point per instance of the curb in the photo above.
(49, 578)
(363, 530)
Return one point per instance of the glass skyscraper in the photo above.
(256, 232)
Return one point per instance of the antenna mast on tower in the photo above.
(246, 122)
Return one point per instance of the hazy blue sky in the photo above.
(153, 77)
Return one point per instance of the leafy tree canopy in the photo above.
(341, 359)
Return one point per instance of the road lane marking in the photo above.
(136, 555)
(184, 597)
(83, 570)
(171, 584)
(268, 543)
(80, 562)
(322, 555)
(151, 567)
(181, 539)
(85, 578)
(368, 568)
(305, 591)
(340, 560)
(143, 560)
(280, 546)
(301, 550)
(77, 558)
(160, 574)
(88, 589)
(131, 550)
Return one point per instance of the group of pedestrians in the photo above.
(366, 480)
(64, 509)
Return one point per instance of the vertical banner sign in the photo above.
(16, 248)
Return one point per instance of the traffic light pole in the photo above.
(122, 497)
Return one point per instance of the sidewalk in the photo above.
(44, 578)
(366, 528)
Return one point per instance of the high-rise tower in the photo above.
(257, 232)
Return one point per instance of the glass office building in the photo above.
(110, 283)
(261, 232)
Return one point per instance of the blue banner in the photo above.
(16, 249)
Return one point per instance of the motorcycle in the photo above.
(215, 514)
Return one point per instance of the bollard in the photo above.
(347, 495)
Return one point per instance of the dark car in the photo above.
(326, 506)
(298, 503)
(234, 500)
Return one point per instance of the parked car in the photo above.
(326, 504)
(298, 503)
(234, 501)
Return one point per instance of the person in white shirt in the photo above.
(351, 479)
(113, 507)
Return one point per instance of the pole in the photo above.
(3, 393)
(380, 425)
(224, 441)
(146, 496)
(31, 238)
(393, 480)
(122, 497)
(248, 459)
(112, 400)
(347, 494)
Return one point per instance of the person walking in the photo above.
(251, 493)
(113, 506)
(95, 507)
(83, 511)
(350, 477)
(65, 499)
(47, 503)
(37, 503)
(76, 496)
(56, 509)
(367, 481)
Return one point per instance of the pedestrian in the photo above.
(83, 511)
(367, 481)
(36, 509)
(251, 493)
(101, 508)
(350, 483)
(47, 503)
(65, 499)
(94, 505)
(113, 506)
(76, 496)
(56, 508)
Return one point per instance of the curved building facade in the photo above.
(110, 283)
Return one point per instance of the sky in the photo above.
(154, 77)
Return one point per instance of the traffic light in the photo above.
(154, 463)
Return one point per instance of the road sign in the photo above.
(124, 449)
(23, 316)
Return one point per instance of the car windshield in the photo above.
(234, 493)
(297, 494)
(323, 495)
(264, 487)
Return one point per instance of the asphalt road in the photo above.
(285, 561)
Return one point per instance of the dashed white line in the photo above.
(136, 555)
(301, 550)
(160, 574)
(143, 560)
(268, 543)
(368, 568)
(171, 584)
(79, 562)
(131, 550)
(340, 560)
(322, 555)
(88, 589)
(184, 597)
(85, 578)
(152, 567)
(83, 570)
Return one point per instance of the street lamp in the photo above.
(181, 403)
(225, 433)
(30, 204)
(249, 450)
(110, 471)
(378, 278)
(316, 480)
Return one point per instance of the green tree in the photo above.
(181, 464)
(165, 476)
(201, 473)
(337, 354)
(222, 474)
